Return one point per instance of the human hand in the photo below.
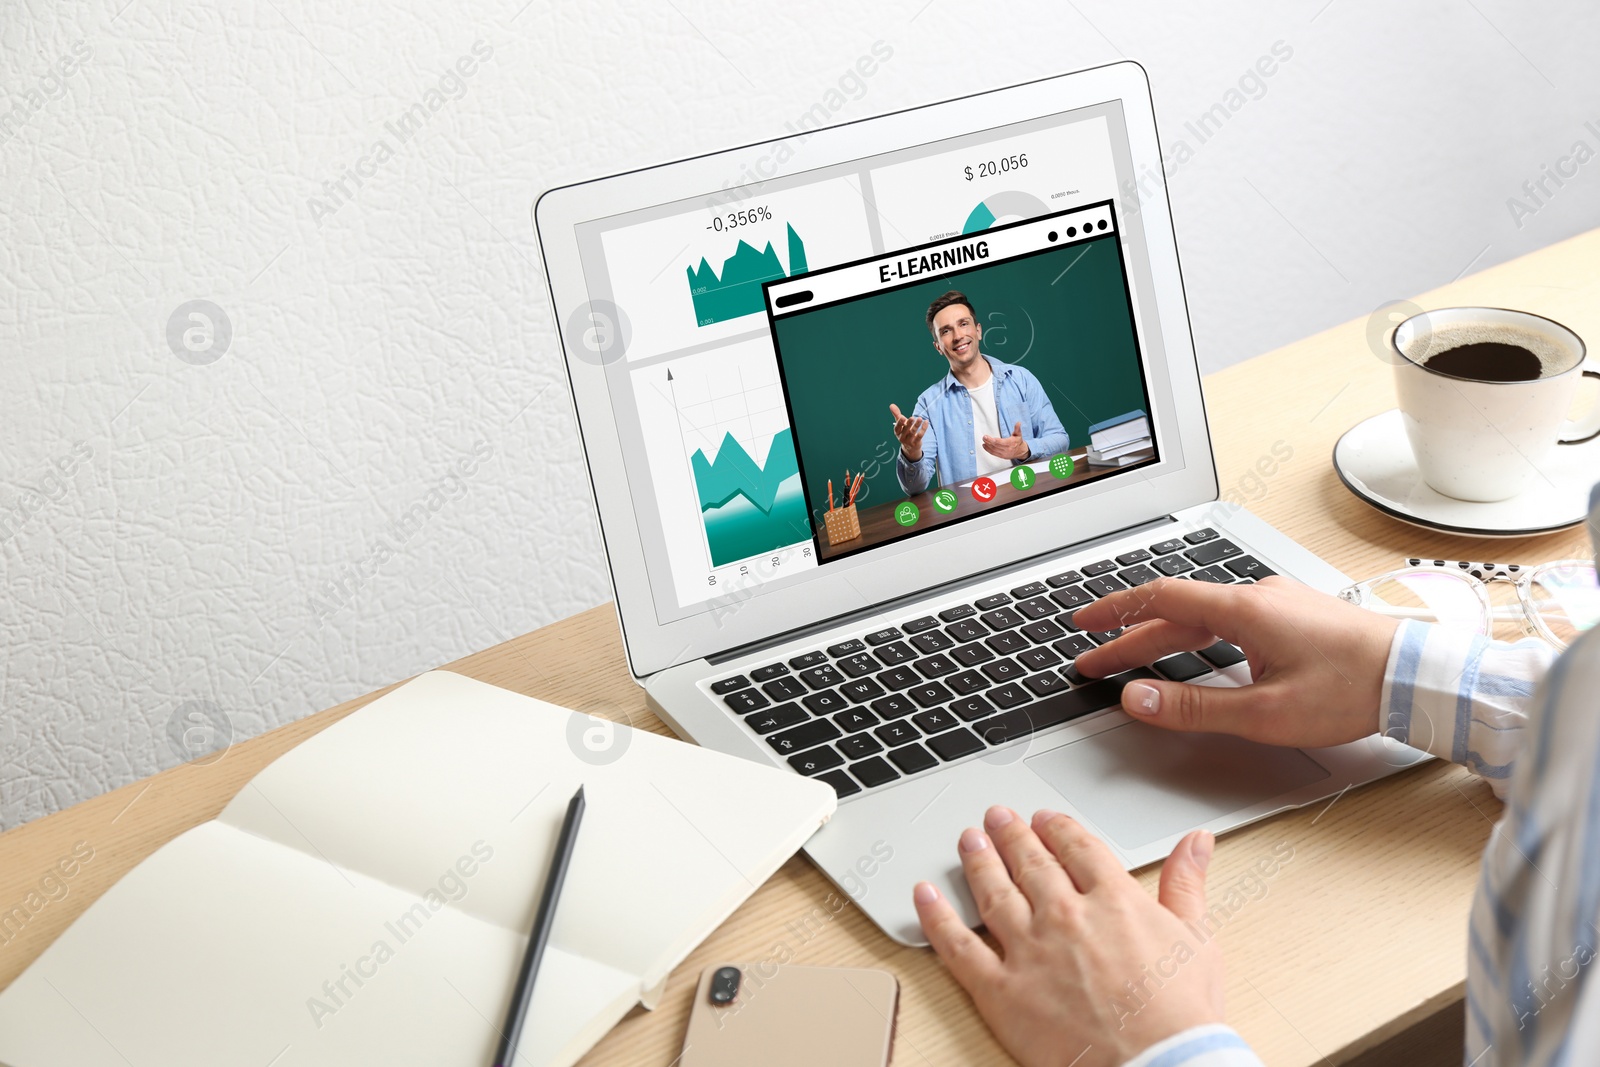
(1317, 661)
(909, 431)
(1074, 930)
(1013, 447)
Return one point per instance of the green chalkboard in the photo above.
(1062, 314)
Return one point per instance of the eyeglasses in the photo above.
(1555, 601)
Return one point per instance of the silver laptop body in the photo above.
(792, 591)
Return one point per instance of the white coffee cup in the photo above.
(1479, 439)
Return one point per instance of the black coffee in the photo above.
(1488, 361)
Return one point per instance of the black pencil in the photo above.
(542, 922)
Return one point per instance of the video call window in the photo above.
(940, 383)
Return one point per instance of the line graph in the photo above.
(747, 506)
(693, 277)
(737, 290)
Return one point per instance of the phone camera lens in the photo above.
(724, 985)
(1052, 235)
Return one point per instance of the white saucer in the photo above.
(1375, 462)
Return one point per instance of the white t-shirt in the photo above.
(986, 420)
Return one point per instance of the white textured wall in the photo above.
(169, 530)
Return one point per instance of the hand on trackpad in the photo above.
(1140, 783)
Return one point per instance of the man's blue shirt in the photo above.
(949, 449)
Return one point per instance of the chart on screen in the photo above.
(723, 467)
(969, 189)
(695, 277)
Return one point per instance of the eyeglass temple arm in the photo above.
(1481, 571)
(1500, 611)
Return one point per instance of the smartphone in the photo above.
(784, 1016)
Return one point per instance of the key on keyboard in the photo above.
(799, 739)
(1002, 619)
(895, 653)
(1222, 655)
(932, 641)
(843, 784)
(912, 759)
(1212, 552)
(874, 772)
(784, 689)
(1056, 709)
(765, 722)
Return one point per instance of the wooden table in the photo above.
(879, 524)
(1356, 952)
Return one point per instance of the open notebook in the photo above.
(367, 897)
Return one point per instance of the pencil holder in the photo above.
(842, 524)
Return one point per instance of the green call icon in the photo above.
(906, 513)
(945, 501)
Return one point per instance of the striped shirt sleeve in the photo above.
(1532, 995)
(1461, 696)
(1214, 1045)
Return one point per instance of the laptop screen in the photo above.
(987, 288)
(940, 383)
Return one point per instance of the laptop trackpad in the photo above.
(1141, 783)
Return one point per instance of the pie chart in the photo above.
(1008, 206)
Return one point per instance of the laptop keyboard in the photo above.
(865, 712)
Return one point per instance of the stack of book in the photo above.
(1119, 441)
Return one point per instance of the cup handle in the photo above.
(1586, 428)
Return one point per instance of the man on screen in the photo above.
(953, 434)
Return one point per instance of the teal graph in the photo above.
(980, 219)
(750, 510)
(737, 290)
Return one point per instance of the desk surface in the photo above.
(1360, 936)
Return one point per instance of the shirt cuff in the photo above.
(1212, 1045)
(1461, 696)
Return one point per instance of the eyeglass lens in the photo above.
(1567, 599)
(1435, 597)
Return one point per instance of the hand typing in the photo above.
(1317, 662)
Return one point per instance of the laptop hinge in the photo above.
(933, 591)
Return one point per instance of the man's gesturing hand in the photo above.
(1317, 662)
(909, 431)
(1074, 930)
(1013, 447)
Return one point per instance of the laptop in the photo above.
(868, 412)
